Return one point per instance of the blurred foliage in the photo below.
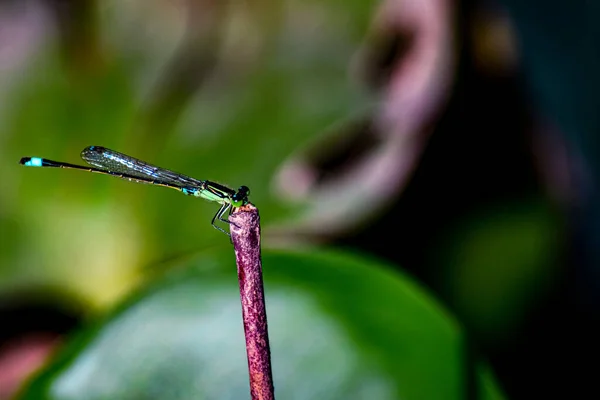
(501, 257)
(341, 327)
(237, 129)
(230, 101)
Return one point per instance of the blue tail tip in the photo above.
(31, 161)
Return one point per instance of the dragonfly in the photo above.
(110, 162)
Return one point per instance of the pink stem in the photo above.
(245, 235)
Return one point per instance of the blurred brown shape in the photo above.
(34, 322)
(21, 358)
(409, 59)
(77, 23)
(494, 42)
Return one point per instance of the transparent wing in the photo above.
(115, 162)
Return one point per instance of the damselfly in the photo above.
(110, 162)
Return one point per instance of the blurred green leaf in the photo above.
(497, 263)
(236, 129)
(341, 327)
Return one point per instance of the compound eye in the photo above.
(241, 197)
(244, 191)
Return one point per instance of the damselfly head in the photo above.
(240, 198)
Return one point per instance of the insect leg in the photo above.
(219, 215)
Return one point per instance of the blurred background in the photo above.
(456, 140)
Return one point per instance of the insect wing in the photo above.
(113, 161)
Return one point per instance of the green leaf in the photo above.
(341, 327)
